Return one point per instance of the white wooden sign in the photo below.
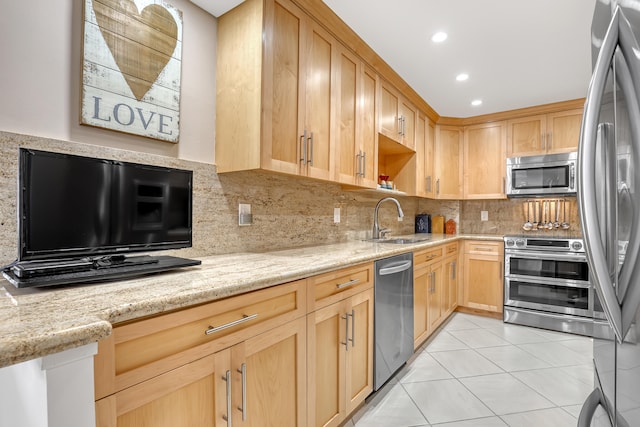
(131, 67)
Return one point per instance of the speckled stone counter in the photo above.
(39, 322)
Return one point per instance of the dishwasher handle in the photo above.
(395, 268)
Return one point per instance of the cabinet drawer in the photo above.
(427, 256)
(451, 249)
(143, 349)
(483, 248)
(328, 288)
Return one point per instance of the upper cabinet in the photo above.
(425, 148)
(356, 131)
(484, 161)
(275, 98)
(448, 162)
(397, 117)
(543, 134)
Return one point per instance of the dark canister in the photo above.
(423, 223)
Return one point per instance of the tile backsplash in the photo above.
(287, 211)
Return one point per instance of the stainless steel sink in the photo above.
(400, 240)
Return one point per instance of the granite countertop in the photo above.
(41, 321)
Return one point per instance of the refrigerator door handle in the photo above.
(627, 72)
(586, 179)
(589, 408)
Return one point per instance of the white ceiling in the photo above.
(518, 53)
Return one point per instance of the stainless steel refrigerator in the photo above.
(609, 200)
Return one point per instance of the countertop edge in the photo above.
(98, 325)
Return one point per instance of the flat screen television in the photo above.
(73, 207)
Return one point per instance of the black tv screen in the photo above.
(71, 206)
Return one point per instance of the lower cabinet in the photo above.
(340, 350)
(483, 275)
(427, 293)
(239, 361)
(259, 382)
(450, 279)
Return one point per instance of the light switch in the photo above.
(484, 215)
(336, 215)
(244, 214)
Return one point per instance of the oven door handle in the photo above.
(545, 256)
(548, 281)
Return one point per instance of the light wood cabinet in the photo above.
(425, 144)
(340, 344)
(357, 135)
(450, 276)
(485, 161)
(557, 132)
(483, 275)
(196, 367)
(448, 162)
(397, 116)
(427, 293)
(275, 91)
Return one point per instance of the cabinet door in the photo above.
(525, 136)
(485, 161)
(421, 287)
(348, 165)
(563, 131)
(483, 282)
(436, 300)
(190, 396)
(408, 117)
(448, 162)
(450, 292)
(388, 118)
(359, 354)
(368, 129)
(283, 90)
(421, 145)
(274, 385)
(429, 153)
(326, 342)
(319, 107)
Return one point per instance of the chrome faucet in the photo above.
(376, 226)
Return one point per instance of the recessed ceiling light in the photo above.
(476, 102)
(462, 77)
(439, 37)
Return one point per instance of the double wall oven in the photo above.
(547, 285)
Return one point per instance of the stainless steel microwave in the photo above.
(548, 175)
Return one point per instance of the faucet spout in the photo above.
(376, 224)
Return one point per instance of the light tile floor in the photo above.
(481, 372)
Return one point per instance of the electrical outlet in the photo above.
(484, 215)
(244, 214)
(336, 215)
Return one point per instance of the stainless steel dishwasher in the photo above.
(393, 316)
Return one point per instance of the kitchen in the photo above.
(287, 211)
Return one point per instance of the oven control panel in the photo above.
(554, 244)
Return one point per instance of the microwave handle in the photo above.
(572, 176)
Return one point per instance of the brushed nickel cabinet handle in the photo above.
(303, 147)
(346, 332)
(438, 186)
(227, 417)
(245, 318)
(311, 149)
(243, 371)
(349, 283)
(353, 327)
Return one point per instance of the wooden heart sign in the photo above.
(141, 43)
(131, 67)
